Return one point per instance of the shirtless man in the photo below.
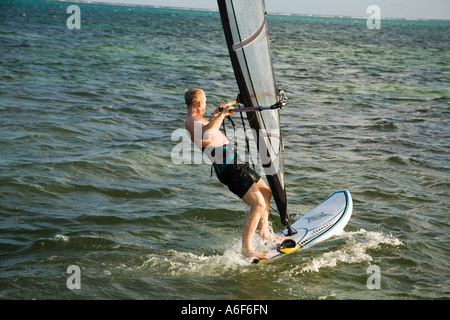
(240, 179)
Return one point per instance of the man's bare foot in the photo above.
(273, 237)
(251, 254)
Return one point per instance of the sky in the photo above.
(408, 9)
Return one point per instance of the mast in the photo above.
(245, 27)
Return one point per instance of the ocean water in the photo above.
(90, 119)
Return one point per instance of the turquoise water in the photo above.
(89, 120)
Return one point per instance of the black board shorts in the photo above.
(239, 178)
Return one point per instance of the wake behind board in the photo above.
(324, 221)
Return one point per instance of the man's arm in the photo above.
(217, 117)
(215, 114)
(212, 128)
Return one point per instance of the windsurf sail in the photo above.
(245, 26)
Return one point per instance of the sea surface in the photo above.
(95, 202)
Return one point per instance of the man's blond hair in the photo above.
(193, 96)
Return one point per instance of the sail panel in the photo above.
(246, 32)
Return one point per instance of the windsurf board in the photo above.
(324, 221)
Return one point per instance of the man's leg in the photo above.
(255, 199)
(263, 226)
(264, 229)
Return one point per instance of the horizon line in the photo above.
(318, 15)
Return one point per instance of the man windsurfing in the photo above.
(237, 176)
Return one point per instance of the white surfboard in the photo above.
(324, 221)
